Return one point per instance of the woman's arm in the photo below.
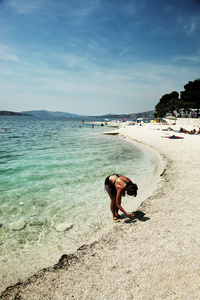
(118, 203)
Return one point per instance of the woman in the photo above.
(116, 186)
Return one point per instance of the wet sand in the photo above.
(156, 255)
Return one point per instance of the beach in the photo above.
(155, 256)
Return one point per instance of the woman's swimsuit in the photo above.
(118, 177)
(111, 186)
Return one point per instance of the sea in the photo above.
(52, 196)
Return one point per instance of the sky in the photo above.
(96, 57)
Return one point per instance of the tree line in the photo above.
(185, 104)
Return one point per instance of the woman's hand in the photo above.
(131, 215)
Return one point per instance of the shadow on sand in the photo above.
(139, 215)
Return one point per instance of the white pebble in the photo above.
(63, 227)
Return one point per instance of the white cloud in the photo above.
(77, 10)
(5, 54)
(96, 90)
(24, 6)
(189, 58)
(124, 51)
(192, 26)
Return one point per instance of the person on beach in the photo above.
(116, 185)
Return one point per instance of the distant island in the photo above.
(12, 113)
(59, 114)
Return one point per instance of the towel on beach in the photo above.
(174, 137)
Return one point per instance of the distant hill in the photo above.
(60, 114)
(12, 113)
(47, 114)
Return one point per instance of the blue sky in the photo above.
(95, 57)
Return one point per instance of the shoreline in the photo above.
(24, 264)
(154, 257)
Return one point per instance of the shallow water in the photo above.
(52, 197)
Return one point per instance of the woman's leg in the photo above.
(113, 206)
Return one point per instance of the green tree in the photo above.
(190, 97)
(166, 104)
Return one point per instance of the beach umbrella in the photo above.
(171, 118)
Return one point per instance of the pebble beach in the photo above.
(156, 255)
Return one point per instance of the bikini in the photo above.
(118, 177)
(111, 186)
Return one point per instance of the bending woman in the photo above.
(116, 186)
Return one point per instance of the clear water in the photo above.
(52, 175)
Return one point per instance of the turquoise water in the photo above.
(52, 197)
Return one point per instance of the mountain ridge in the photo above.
(60, 114)
(47, 113)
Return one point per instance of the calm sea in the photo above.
(52, 197)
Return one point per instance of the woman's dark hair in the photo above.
(131, 189)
